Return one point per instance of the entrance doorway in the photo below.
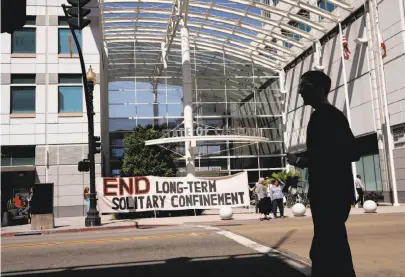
(12, 184)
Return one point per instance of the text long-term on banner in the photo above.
(148, 193)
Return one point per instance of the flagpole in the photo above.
(349, 117)
(386, 114)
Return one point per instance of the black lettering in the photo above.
(228, 199)
(234, 196)
(190, 185)
(173, 188)
(162, 201)
(148, 202)
(207, 201)
(182, 201)
(135, 203)
(212, 186)
(195, 199)
(174, 197)
(204, 186)
(189, 200)
(141, 198)
(214, 199)
(122, 203)
(129, 206)
(221, 199)
(201, 200)
(165, 187)
(180, 187)
(155, 201)
(197, 187)
(241, 197)
(157, 188)
(115, 201)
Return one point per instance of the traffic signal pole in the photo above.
(93, 217)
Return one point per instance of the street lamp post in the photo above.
(75, 14)
(93, 217)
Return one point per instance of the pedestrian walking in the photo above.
(360, 190)
(331, 146)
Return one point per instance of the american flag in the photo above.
(346, 51)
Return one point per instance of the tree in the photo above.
(142, 160)
(283, 176)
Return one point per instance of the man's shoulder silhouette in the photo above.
(332, 116)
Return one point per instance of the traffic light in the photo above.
(83, 166)
(77, 13)
(97, 144)
(13, 15)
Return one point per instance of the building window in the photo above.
(368, 167)
(298, 25)
(291, 35)
(17, 155)
(327, 6)
(117, 153)
(70, 93)
(275, 2)
(22, 94)
(66, 42)
(116, 172)
(23, 41)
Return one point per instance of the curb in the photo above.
(77, 230)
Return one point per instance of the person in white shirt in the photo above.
(360, 190)
(277, 195)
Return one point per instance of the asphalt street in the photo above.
(165, 251)
(377, 241)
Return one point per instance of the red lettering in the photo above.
(138, 183)
(126, 184)
(110, 183)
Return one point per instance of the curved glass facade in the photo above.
(225, 98)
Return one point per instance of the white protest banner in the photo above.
(131, 194)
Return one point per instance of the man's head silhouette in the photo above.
(314, 88)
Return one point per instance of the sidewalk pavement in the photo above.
(76, 224)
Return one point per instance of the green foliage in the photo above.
(373, 195)
(283, 175)
(141, 160)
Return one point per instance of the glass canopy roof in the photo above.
(142, 37)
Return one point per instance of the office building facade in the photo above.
(43, 110)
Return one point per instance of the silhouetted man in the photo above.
(330, 151)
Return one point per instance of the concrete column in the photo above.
(187, 101)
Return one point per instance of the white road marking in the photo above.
(301, 266)
(295, 263)
(208, 227)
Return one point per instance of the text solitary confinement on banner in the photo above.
(148, 193)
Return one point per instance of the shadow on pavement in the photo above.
(284, 238)
(221, 266)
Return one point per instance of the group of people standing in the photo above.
(269, 196)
